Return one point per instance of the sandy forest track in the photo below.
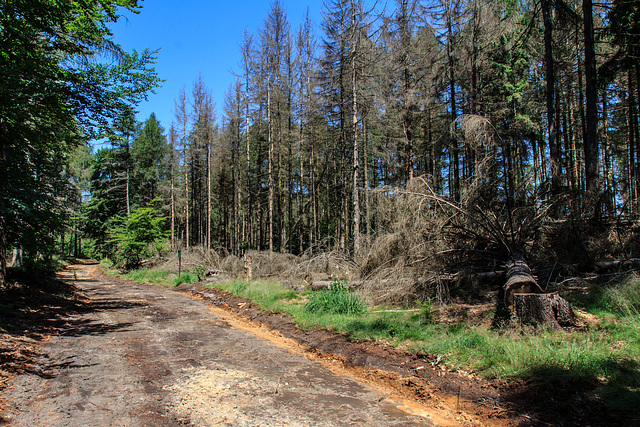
(146, 355)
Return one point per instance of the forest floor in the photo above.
(97, 350)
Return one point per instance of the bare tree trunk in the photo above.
(591, 92)
(186, 190)
(290, 230)
(270, 166)
(249, 190)
(608, 170)
(313, 236)
(17, 257)
(454, 113)
(208, 244)
(3, 244)
(554, 157)
(356, 159)
(407, 119)
(631, 147)
(366, 179)
(172, 137)
(300, 182)
(127, 190)
(246, 53)
(182, 118)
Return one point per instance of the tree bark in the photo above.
(270, 166)
(17, 257)
(454, 113)
(208, 244)
(172, 139)
(3, 253)
(4, 159)
(591, 93)
(518, 280)
(356, 157)
(548, 310)
(554, 158)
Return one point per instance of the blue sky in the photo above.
(198, 36)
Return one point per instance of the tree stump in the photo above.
(549, 310)
(527, 304)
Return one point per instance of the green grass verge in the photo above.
(606, 354)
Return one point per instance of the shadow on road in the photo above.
(33, 307)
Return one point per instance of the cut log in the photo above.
(548, 310)
(519, 280)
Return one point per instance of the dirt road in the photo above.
(149, 356)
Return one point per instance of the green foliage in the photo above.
(99, 213)
(337, 299)
(185, 277)
(623, 28)
(623, 299)
(149, 151)
(426, 311)
(271, 296)
(140, 234)
(137, 157)
(158, 277)
(511, 82)
(55, 93)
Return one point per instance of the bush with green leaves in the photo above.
(338, 299)
(138, 235)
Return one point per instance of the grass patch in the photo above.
(337, 300)
(268, 295)
(158, 277)
(185, 277)
(622, 300)
(605, 354)
(153, 276)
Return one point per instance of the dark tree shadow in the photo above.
(564, 397)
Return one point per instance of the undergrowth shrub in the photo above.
(337, 300)
(185, 277)
(623, 299)
(427, 312)
(148, 276)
